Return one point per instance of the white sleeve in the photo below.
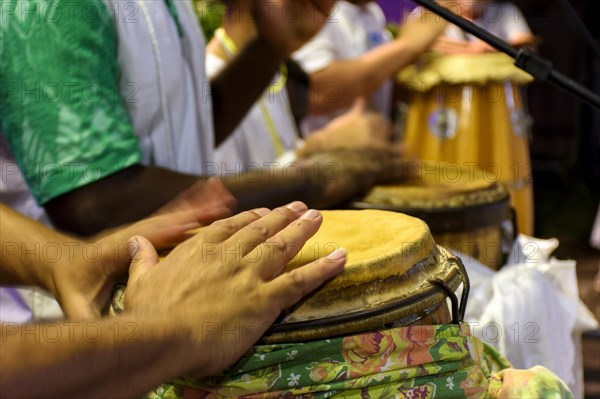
(319, 52)
(513, 21)
(214, 65)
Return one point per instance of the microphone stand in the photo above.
(537, 66)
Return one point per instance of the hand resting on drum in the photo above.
(224, 287)
(195, 312)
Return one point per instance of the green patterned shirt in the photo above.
(61, 111)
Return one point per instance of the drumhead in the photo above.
(387, 279)
(447, 196)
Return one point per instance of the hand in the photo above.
(225, 286)
(83, 283)
(205, 198)
(343, 174)
(447, 45)
(288, 24)
(356, 129)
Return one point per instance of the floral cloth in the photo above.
(413, 362)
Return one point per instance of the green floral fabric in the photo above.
(407, 362)
(60, 110)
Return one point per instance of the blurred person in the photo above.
(269, 132)
(354, 56)
(500, 18)
(162, 333)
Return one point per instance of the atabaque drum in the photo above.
(470, 109)
(465, 208)
(395, 275)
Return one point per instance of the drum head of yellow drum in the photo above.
(434, 69)
(392, 259)
(438, 185)
(447, 196)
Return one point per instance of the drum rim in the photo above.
(451, 219)
(318, 328)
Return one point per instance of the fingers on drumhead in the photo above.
(277, 251)
(291, 287)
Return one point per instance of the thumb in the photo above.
(360, 105)
(143, 256)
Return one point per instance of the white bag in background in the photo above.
(530, 310)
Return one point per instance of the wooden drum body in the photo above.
(468, 109)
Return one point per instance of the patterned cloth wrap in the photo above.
(414, 362)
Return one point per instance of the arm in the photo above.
(139, 191)
(81, 274)
(364, 75)
(235, 89)
(244, 79)
(123, 197)
(102, 358)
(162, 334)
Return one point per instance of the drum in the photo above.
(469, 109)
(465, 209)
(395, 275)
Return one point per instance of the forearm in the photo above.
(118, 357)
(241, 82)
(275, 186)
(340, 83)
(124, 197)
(28, 250)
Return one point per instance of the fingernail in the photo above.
(311, 215)
(132, 246)
(297, 206)
(262, 211)
(338, 254)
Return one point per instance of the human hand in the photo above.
(451, 46)
(207, 199)
(288, 24)
(358, 128)
(83, 283)
(223, 288)
(343, 174)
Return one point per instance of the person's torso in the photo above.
(163, 82)
(267, 131)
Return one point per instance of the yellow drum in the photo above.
(468, 109)
(395, 275)
(465, 208)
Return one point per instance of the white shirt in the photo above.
(504, 20)
(350, 32)
(164, 85)
(251, 144)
